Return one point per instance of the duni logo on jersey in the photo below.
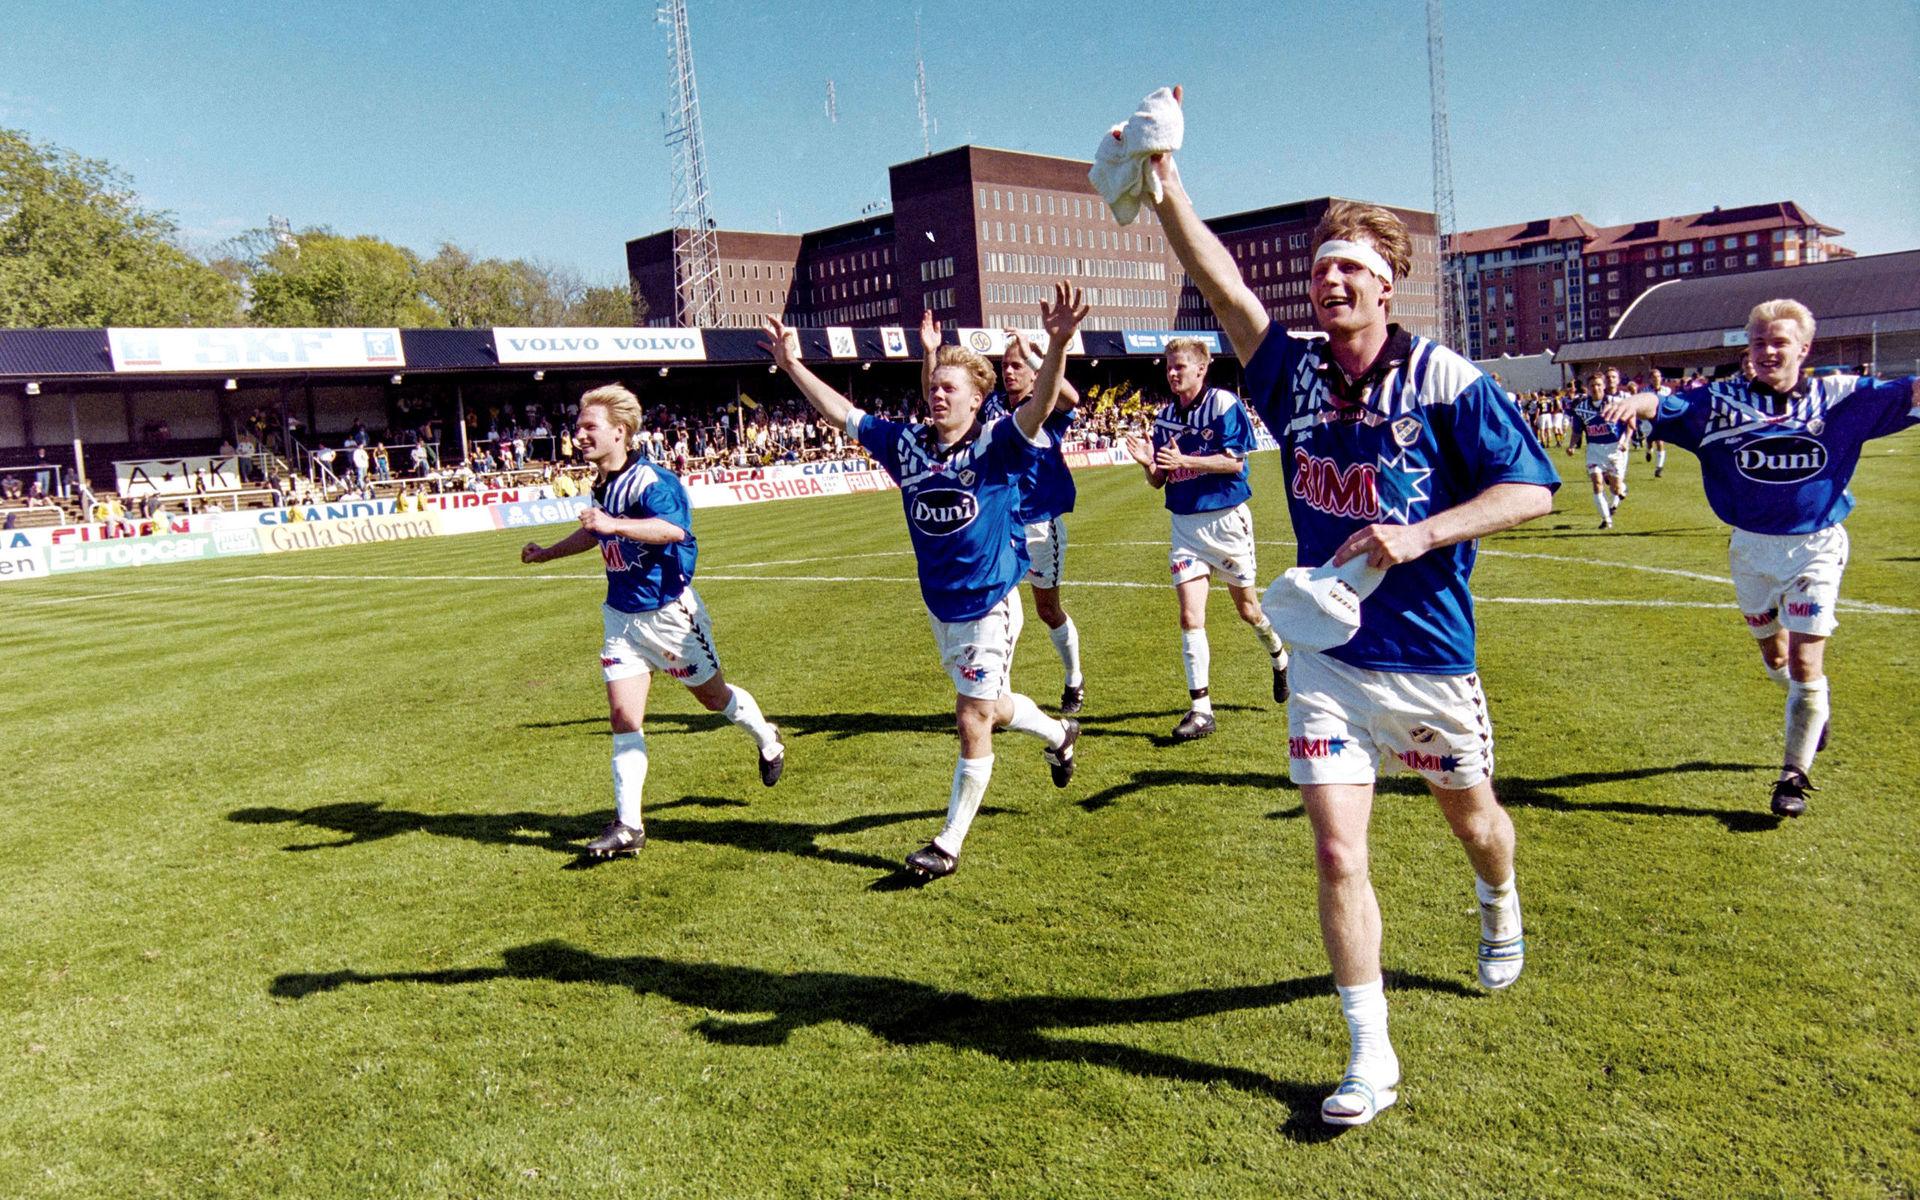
(941, 511)
(1787, 458)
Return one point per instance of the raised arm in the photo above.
(1060, 319)
(784, 345)
(1069, 398)
(1206, 261)
(929, 350)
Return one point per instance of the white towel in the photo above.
(1122, 173)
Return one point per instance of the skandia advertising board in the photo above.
(1152, 341)
(186, 350)
(548, 347)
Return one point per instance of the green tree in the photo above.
(77, 249)
(608, 305)
(323, 279)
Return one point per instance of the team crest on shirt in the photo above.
(966, 478)
(1423, 734)
(1406, 431)
(1817, 426)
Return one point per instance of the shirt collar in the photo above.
(1349, 393)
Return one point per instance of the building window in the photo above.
(1753, 260)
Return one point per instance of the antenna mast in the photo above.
(1452, 323)
(920, 86)
(696, 245)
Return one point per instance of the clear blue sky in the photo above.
(523, 129)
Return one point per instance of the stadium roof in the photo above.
(82, 354)
(1850, 297)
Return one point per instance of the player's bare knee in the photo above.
(1340, 860)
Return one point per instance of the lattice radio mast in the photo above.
(1452, 325)
(696, 245)
(920, 87)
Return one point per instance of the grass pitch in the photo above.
(290, 902)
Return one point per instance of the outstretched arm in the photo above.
(929, 351)
(577, 542)
(1639, 406)
(1501, 506)
(1060, 319)
(1206, 261)
(784, 345)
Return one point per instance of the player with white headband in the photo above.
(1401, 452)
(1777, 449)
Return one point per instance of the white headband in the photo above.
(1356, 252)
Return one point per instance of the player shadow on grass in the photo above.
(1516, 791)
(1142, 780)
(1099, 724)
(1580, 527)
(836, 725)
(364, 821)
(766, 1008)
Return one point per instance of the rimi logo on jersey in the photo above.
(614, 558)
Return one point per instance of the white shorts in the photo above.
(1046, 552)
(978, 654)
(1788, 581)
(1206, 542)
(1344, 723)
(1609, 457)
(676, 638)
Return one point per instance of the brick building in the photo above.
(979, 236)
(1546, 283)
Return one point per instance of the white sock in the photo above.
(742, 711)
(629, 776)
(1807, 710)
(1499, 909)
(1660, 459)
(1197, 656)
(1600, 503)
(1066, 642)
(1778, 674)
(1270, 639)
(1028, 719)
(1364, 1005)
(969, 788)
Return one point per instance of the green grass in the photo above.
(286, 906)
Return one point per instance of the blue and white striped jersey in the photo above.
(1214, 423)
(960, 503)
(1047, 491)
(643, 576)
(1421, 431)
(1586, 410)
(1775, 463)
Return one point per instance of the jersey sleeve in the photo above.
(1495, 441)
(664, 499)
(1682, 418)
(1267, 374)
(878, 437)
(1009, 446)
(1236, 432)
(1893, 405)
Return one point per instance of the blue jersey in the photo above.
(1586, 412)
(1047, 491)
(960, 504)
(1776, 463)
(643, 576)
(1214, 424)
(1421, 431)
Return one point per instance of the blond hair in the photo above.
(1348, 221)
(1766, 314)
(979, 371)
(1196, 347)
(623, 407)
